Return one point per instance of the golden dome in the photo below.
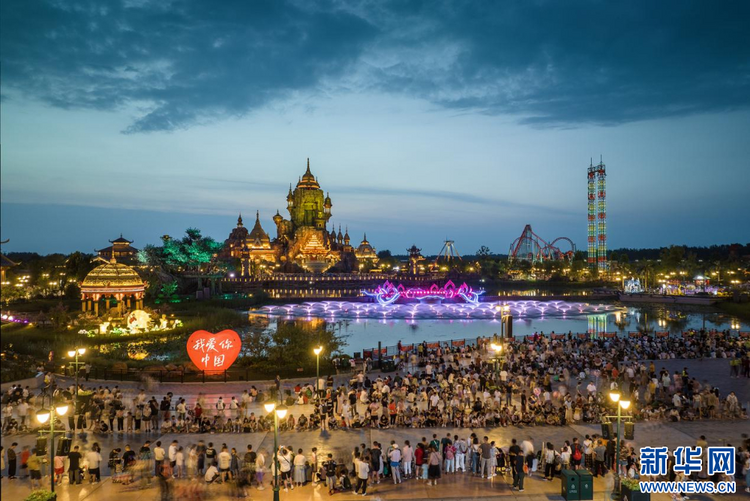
(308, 180)
(112, 277)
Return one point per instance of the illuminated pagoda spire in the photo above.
(239, 221)
(346, 236)
(340, 236)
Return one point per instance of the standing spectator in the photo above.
(179, 463)
(395, 458)
(225, 464)
(12, 461)
(519, 470)
(550, 461)
(330, 468)
(35, 469)
(172, 454)
(486, 455)
(433, 462)
(74, 466)
(363, 472)
(260, 465)
(159, 455)
(299, 468)
(94, 460)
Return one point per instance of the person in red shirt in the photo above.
(419, 459)
(25, 453)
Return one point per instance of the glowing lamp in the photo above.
(615, 396)
(62, 410)
(624, 404)
(269, 407)
(281, 411)
(318, 350)
(42, 417)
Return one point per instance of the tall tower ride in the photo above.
(601, 195)
(592, 243)
(597, 216)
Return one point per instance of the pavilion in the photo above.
(109, 281)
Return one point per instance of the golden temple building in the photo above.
(115, 283)
(303, 242)
(120, 250)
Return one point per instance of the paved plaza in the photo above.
(341, 443)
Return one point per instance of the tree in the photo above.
(78, 265)
(193, 253)
(292, 345)
(484, 252)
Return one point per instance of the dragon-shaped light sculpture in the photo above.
(388, 293)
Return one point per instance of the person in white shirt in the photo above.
(179, 463)
(285, 468)
(395, 458)
(527, 447)
(363, 472)
(159, 455)
(260, 465)
(94, 460)
(408, 458)
(211, 474)
(172, 453)
(225, 463)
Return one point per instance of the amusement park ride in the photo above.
(531, 247)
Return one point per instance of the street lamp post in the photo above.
(278, 413)
(621, 405)
(43, 417)
(317, 352)
(75, 353)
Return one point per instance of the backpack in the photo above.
(577, 452)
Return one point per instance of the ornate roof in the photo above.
(121, 240)
(5, 262)
(365, 249)
(112, 277)
(257, 231)
(308, 181)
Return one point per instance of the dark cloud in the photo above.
(186, 61)
(551, 63)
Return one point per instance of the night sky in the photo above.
(424, 120)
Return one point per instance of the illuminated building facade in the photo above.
(303, 242)
(120, 250)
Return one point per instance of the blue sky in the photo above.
(424, 120)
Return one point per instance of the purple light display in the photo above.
(388, 293)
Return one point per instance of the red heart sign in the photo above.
(214, 352)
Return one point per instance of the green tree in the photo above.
(292, 345)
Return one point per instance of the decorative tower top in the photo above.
(346, 237)
(308, 181)
(239, 221)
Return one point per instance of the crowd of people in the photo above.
(552, 380)
(182, 471)
(543, 380)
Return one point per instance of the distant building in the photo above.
(120, 250)
(303, 242)
(5, 264)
